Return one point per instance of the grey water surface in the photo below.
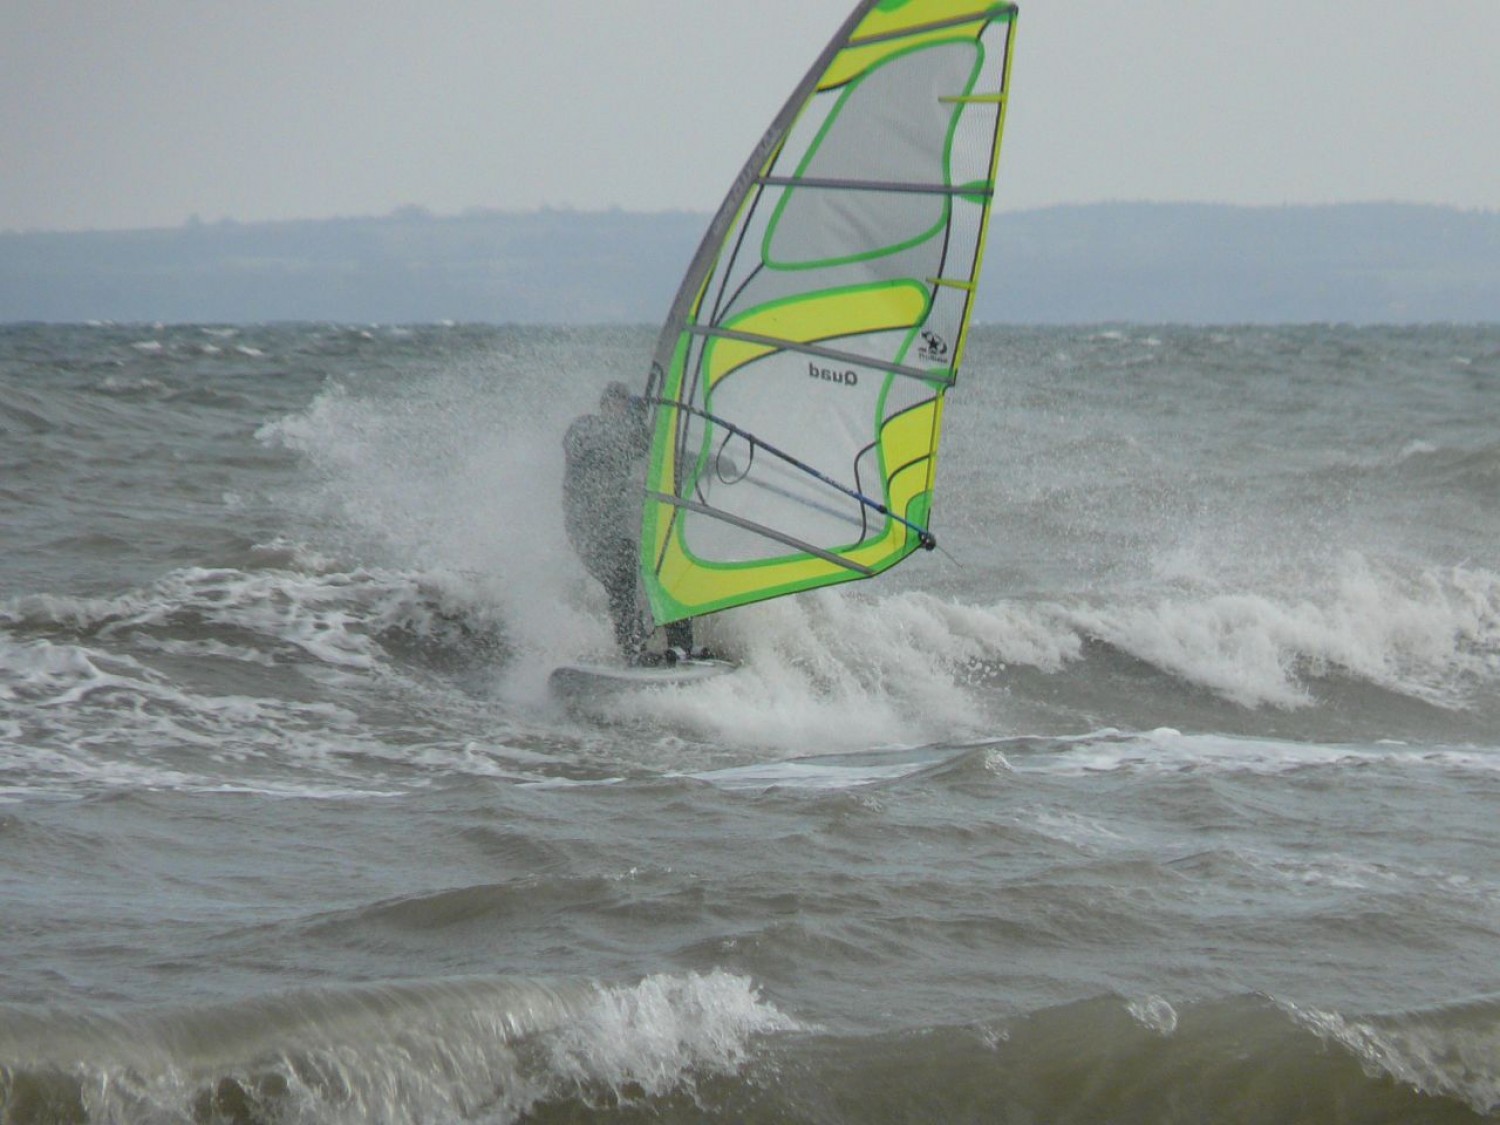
(1169, 791)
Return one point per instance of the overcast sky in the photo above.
(129, 113)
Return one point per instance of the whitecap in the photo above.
(1154, 1013)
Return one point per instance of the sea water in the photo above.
(1168, 790)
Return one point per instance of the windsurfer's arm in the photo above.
(640, 428)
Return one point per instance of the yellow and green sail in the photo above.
(800, 376)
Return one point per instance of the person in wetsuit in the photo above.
(602, 475)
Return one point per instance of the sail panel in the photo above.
(881, 132)
(800, 377)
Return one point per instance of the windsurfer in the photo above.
(604, 454)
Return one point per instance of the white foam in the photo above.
(87, 720)
(1434, 635)
(1416, 448)
(833, 671)
(839, 669)
(495, 1050)
(1171, 751)
(456, 482)
(823, 773)
(311, 612)
(1442, 1058)
(98, 713)
(1154, 1013)
(658, 1035)
(1087, 833)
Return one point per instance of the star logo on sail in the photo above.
(934, 348)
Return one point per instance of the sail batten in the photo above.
(876, 185)
(799, 380)
(760, 529)
(808, 348)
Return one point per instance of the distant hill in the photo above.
(1148, 263)
(1204, 264)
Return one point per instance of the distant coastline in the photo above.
(1096, 263)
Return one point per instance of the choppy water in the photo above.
(1170, 794)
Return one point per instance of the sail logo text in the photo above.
(829, 375)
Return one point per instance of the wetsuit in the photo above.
(602, 502)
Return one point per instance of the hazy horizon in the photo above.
(1161, 262)
(416, 210)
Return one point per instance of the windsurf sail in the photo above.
(799, 379)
